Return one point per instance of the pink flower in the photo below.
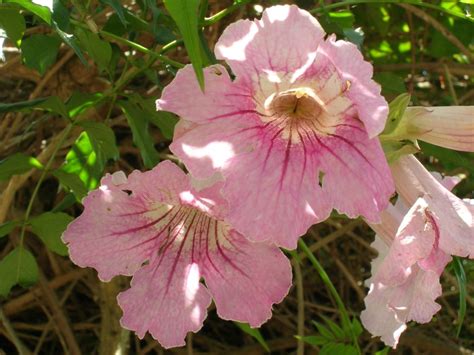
(412, 253)
(157, 227)
(451, 127)
(294, 135)
(453, 216)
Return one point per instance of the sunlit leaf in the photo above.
(103, 140)
(18, 163)
(17, 268)
(82, 161)
(80, 101)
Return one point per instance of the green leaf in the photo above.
(325, 332)
(72, 182)
(314, 340)
(117, 6)
(34, 6)
(136, 118)
(254, 333)
(100, 51)
(103, 140)
(80, 101)
(335, 329)
(395, 149)
(462, 282)
(21, 105)
(18, 267)
(39, 52)
(356, 327)
(71, 41)
(49, 227)
(18, 163)
(13, 24)
(51, 103)
(54, 104)
(395, 127)
(165, 121)
(345, 19)
(185, 14)
(391, 83)
(7, 227)
(384, 351)
(82, 161)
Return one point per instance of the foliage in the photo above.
(60, 136)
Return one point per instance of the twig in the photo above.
(22, 349)
(58, 315)
(454, 68)
(112, 339)
(189, 343)
(450, 85)
(438, 26)
(22, 303)
(330, 238)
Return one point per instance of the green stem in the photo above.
(45, 170)
(412, 2)
(134, 45)
(332, 290)
(221, 14)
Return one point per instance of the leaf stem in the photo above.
(332, 290)
(45, 170)
(221, 14)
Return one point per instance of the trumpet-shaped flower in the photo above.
(454, 217)
(405, 275)
(157, 227)
(294, 135)
(451, 126)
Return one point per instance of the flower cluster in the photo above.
(271, 152)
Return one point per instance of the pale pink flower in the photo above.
(453, 216)
(294, 135)
(157, 227)
(405, 275)
(451, 126)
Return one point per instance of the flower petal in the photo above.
(452, 215)
(275, 194)
(447, 126)
(221, 97)
(253, 47)
(363, 91)
(246, 279)
(404, 286)
(210, 148)
(122, 223)
(166, 299)
(357, 177)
